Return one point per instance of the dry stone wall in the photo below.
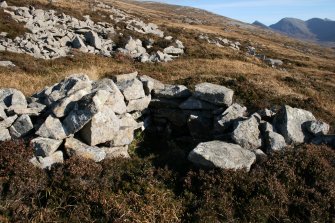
(97, 120)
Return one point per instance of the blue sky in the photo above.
(265, 11)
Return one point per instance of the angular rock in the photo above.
(8, 122)
(132, 89)
(21, 127)
(125, 77)
(4, 135)
(222, 155)
(24, 111)
(116, 152)
(102, 128)
(317, 127)
(78, 43)
(3, 4)
(68, 86)
(173, 50)
(52, 128)
(225, 120)
(75, 147)
(47, 162)
(116, 99)
(127, 120)
(215, 94)
(125, 136)
(247, 134)
(289, 123)
(138, 104)
(193, 103)
(3, 114)
(274, 142)
(93, 39)
(45, 147)
(65, 105)
(12, 97)
(84, 111)
(173, 91)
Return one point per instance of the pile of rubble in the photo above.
(235, 45)
(97, 120)
(53, 35)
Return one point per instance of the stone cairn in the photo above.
(97, 120)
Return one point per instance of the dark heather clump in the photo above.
(295, 186)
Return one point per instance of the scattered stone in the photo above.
(75, 147)
(6, 63)
(215, 94)
(222, 155)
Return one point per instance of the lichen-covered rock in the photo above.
(76, 147)
(102, 128)
(289, 122)
(215, 94)
(138, 104)
(222, 155)
(132, 89)
(4, 135)
(247, 134)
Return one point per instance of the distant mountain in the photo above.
(259, 24)
(321, 30)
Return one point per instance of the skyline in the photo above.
(265, 11)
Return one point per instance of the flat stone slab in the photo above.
(215, 94)
(222, 155)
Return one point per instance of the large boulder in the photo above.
(102, 128)
(76, 147)
(247, 134)
(52, 128)
(215, 94)
(222, 155)
(290, 122)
